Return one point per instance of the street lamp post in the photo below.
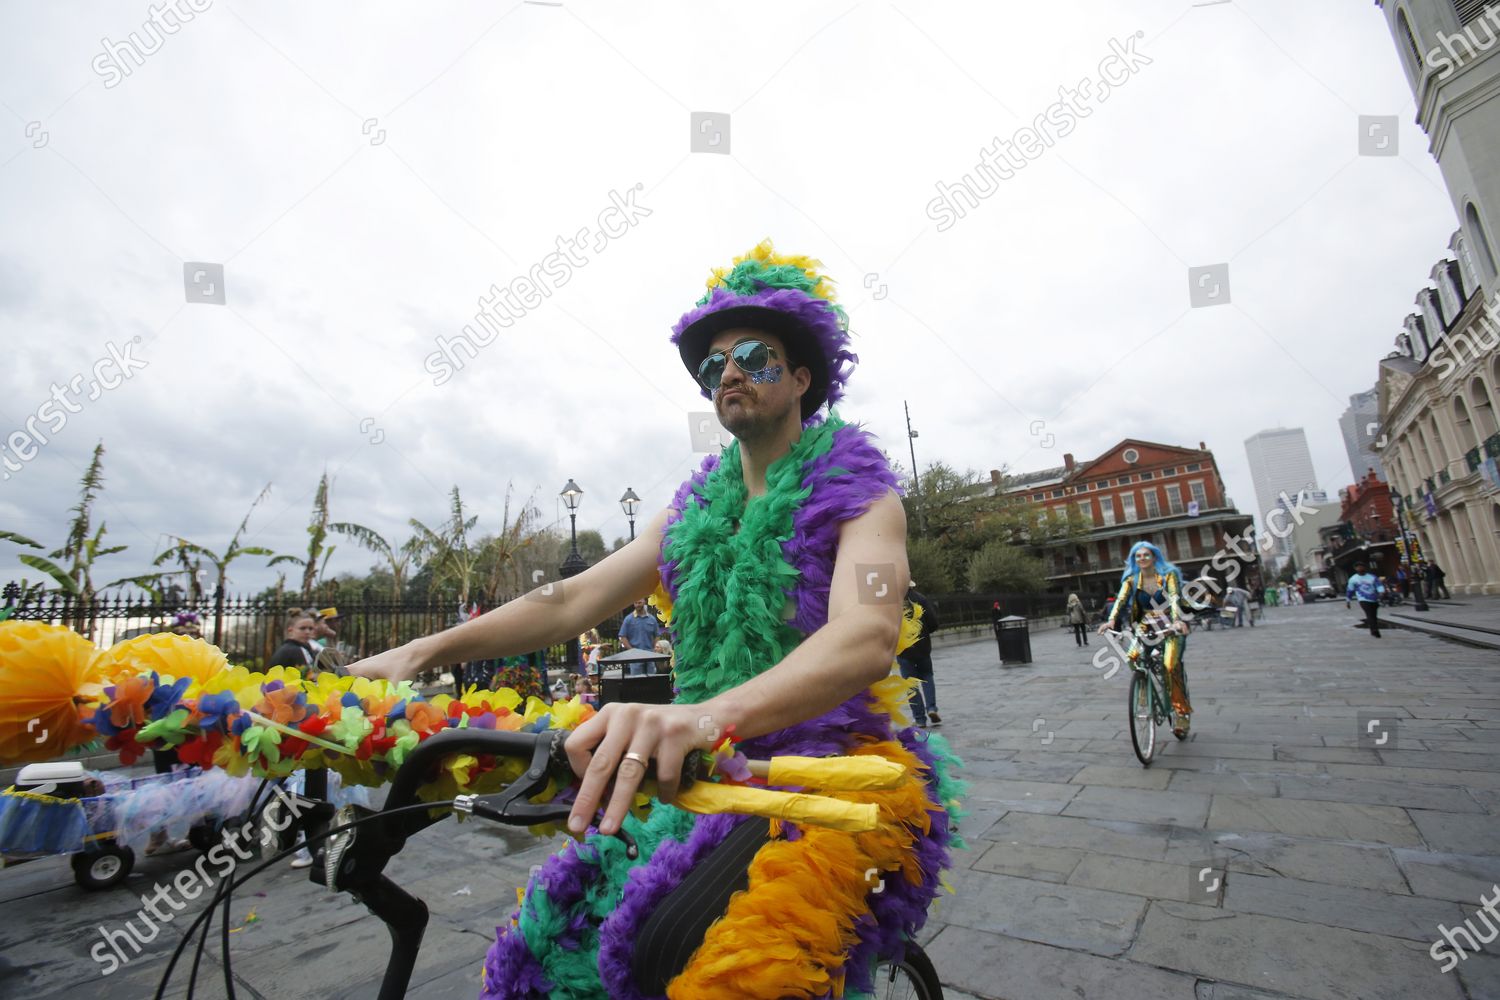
(916, 480)
(1419, 601)
(572, 496)
(630, 503)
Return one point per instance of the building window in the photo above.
(1056, 494)
(1131, 455)
(1184, 547)
(1127, 506)
(1169, 472)
(1037, 497)
(1147, 475)
(1153, 506)
(1481, 241)
(1467, 10)
(1174, 498)
(1086, 511)
(1107, 509)
(1192, 468)
(1200, 495)
(1123, 481)
(1205, 536)
(1101, 484)
(1413, 52)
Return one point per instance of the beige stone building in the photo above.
(1439, 392)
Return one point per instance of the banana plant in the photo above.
(315, 563)
(398, 558)
(71, 566)
(447, 549)
(182, 549)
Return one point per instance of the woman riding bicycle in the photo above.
(1149, 598)
(780, 567)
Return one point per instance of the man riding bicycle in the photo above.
(780, 568)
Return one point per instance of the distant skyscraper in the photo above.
(1279, 463)
(1361, 426)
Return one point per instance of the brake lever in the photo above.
(512, 804)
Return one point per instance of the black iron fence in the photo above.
(249, 630)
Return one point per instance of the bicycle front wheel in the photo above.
(1142, 718)
(912, 978)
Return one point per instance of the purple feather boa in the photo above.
(845, 481)
(816, 316)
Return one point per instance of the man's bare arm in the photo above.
(540, 618)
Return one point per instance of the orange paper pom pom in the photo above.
(48, 683)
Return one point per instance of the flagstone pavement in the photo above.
(1333, 813)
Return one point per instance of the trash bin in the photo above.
(650, 689)
(1013, 633)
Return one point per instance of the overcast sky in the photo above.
(365, 173)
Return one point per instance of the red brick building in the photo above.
(1366, 529)
(1135, 491)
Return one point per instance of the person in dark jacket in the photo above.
(1435, 578)
(916, 662)
(296, 650)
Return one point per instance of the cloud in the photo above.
(1062, 297)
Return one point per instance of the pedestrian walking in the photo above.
(1435, 578)
(639, 631)
(1078, 619)
(1366, 588)
(916, 663)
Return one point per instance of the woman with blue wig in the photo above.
(1150, 592)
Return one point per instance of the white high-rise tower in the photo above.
(1280, 463)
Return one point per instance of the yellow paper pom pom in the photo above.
(176, 656)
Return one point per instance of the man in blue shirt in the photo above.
(638, 631)
(1365, 587)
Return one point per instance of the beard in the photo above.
(749, 418)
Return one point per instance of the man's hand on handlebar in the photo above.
(661, 733)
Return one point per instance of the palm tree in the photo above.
(82, 547)
(182, 548)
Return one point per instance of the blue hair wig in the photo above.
(1164, 566)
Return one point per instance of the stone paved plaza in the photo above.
(1277, 853)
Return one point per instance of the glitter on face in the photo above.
(771, 374)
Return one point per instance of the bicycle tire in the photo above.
(1142, 727)
(912, 978)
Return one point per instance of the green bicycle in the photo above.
(1149, 706)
